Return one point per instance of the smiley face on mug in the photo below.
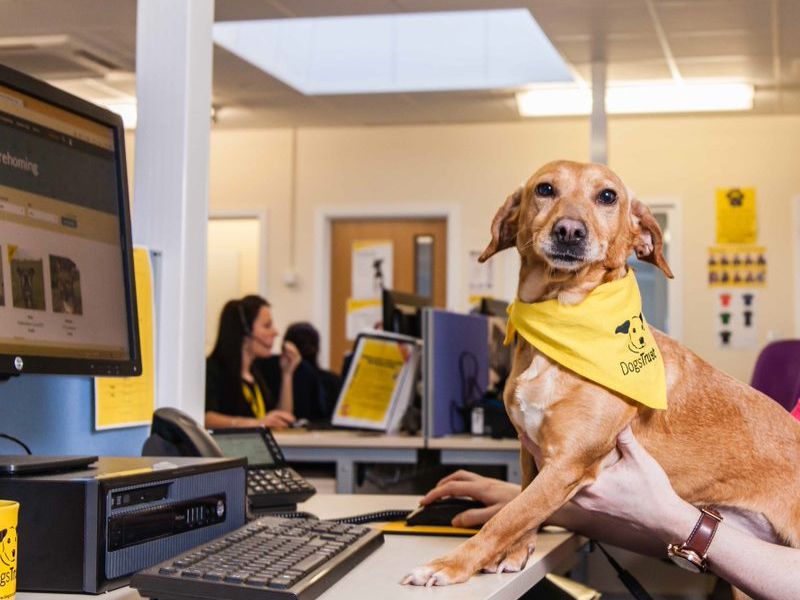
(8, 546)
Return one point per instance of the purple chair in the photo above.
(777, 372)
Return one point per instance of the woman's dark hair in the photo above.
(235, 323)
(306, 338)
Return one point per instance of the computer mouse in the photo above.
(441, 512)
(299, 424)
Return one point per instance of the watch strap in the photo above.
(704, 530)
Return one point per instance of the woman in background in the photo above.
(315, 389)
(237, 394)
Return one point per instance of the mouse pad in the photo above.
(402, 528)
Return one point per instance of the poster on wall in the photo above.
(372, 268)
(362, 315)
(736, 216)
(736, 324)
(481, 277)
(737, 266)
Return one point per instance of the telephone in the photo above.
(271, 482)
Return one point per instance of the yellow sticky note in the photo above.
(130, 401)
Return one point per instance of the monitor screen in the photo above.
(250, 445)
(67, 297)
(402, 312)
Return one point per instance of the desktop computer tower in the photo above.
(89, 530)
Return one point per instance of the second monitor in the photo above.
(402, 312)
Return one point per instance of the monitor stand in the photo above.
(24, 464)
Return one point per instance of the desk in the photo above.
(348, 448)
(467, 449)
(378, 575)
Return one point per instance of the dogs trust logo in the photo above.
(8, 557)
(634, 329)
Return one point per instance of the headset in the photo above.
(242, 319)
(246, 329)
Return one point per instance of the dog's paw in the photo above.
(443, 571)
(515, 558)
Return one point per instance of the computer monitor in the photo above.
(401, 312)
(500, 355)
(67, 294)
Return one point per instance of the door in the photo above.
(419, 257)
(235, 265)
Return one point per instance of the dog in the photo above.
(8, 546)
(65, 276)
(26, 285)
(720, 442)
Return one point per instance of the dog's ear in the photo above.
(504, 226)
(649, 241)
(624, 328)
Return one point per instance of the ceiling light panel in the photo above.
(465, 50)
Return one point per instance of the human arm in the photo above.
(636, 491)
(274, 419)
(289, 361)
(495, 494)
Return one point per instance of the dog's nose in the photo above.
(569, 231)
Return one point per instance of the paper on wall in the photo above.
(130, 401)
(372, 268)
(362, 315)
(736, 216)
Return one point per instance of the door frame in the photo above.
(263, 247)
(674, 211)
(323, 222)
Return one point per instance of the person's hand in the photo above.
(277, 419)
(635, 489)
(290, 358)
(495, 494)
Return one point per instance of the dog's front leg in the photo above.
(509, 529)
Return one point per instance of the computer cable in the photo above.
(373, 517)
(13, 439)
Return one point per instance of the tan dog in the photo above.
(721, 442)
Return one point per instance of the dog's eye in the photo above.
(607, 196)
(546, 190)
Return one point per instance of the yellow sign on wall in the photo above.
(130, 401)
(736, 216)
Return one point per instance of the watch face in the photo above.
(686, 559)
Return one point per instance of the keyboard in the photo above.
(267, 559)
(276, 486)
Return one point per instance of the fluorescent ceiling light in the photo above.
(410, 52)
(658, 97)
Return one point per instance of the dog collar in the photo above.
(604, 339)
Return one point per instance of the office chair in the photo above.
(777, 372)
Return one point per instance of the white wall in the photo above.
(475, 166)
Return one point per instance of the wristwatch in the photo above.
(691, 554)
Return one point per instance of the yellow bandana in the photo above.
(604, 338)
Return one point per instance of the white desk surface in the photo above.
(471, 442)
(345, 439)
(379, 574)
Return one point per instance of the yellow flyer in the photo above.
(736, 216)
(379, 383)
(129, 401)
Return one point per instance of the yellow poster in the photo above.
(369, 394)
(736, 216)
(380, 382)
(130, 401)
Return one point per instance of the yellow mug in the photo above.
(9, 510)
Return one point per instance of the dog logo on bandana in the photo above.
(634, 329)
